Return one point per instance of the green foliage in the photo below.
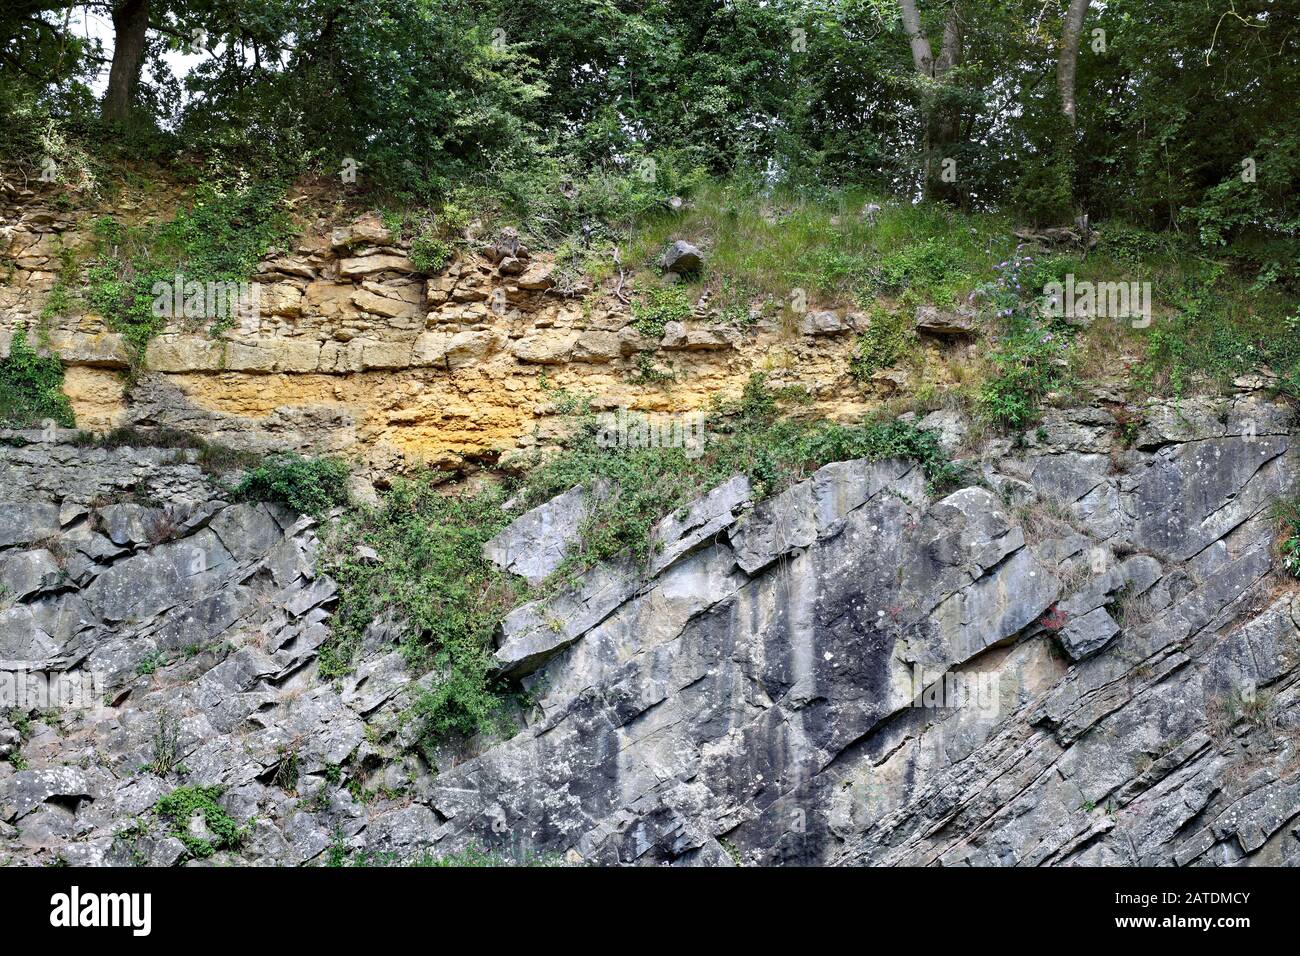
(655, 307)
(308, 486)
(431, 254)
(928, 267)
(59, 301)
(1043, 190)
(1288, 515)
(31, 387)
(432, 238)
(226, 230)
(150, 663)
(176, 809)
(1221, 331)
(885, 341)
(745, 436)
(219, 238)
(430, 574)
(1029, 361)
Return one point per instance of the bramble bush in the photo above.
(309, 486)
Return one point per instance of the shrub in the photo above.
(431, 254)
(431, 574)
(309, 486)
(182, 803)
(1031, 360)
(30, 387)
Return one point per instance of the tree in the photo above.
(1068, 61)
(130, 30)
(943, 116)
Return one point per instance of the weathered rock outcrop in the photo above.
(1084, 655)
(352, 349)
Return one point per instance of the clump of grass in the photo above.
(166, 743)
(1254, 707)
(213, 457)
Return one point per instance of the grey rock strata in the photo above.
(773, 684)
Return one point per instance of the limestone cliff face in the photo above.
(1086, 655)
(353, 351)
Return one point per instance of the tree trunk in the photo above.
(130, 27)
(945, 124)
(1066, 65)
(921, 55)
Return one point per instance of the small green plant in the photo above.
(31, 387)
(127, 841)
(1288, 513)
(59, 301)
(655, 307)
(647, 373)
(431, 254)
(732, 851)
(21, 721)
(286, 771)
(1030, 361)
(150, 663)
(433, 239)
(182, 804)
(166, 743)
(309, 486)
(885, 341)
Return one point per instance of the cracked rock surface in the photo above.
(1086, 655)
